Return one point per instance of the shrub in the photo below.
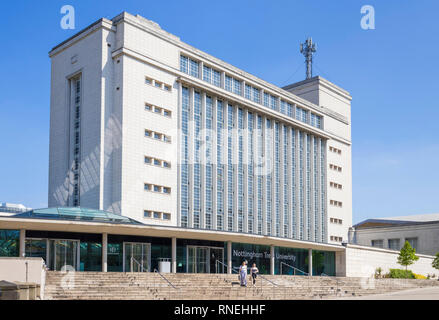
(420, 276)
(401, 274)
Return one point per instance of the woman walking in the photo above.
(254, 273)
(243, 274)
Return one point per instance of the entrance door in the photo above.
(65, 254)
(204, 259)
(137, 257)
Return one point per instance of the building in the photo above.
(9, 209)
(193, 159)
(421, 231)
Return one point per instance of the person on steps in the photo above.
(254, 273)
(243, 274)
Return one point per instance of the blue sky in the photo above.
(391, 72)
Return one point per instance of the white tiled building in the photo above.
(131, 107)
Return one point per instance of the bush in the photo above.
(401, 274)
(420, 276)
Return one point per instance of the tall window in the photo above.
(220, 165)
(293, 184)
(250, 191)
(260, 180)
(194, 68)
(76, 166)
(209, 164)
(277, 176)
(269, 176)
(240, 169)
(230, 180)
(184, 210)
(197, 162)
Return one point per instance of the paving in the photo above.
(431, 293)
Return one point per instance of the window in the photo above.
(157, 136)
(148, 133)
(336, 203)
(166, 164)
(167, 87)
(148, 80)
(184, 64)
(148, 107)
(216, 78)
(157, 110)
(302, 114)
(228, 83)
(377, 243)
(157, 189)
(148, 160)
(157, 162)
(167, 113)
(193, 68)
(413, 242)
(207, 74)
(394, 244)
(158, 84)
(166, 190)
(237, 86)
(147, 187)
(167, 139)
(335, 150)
(335, 185)
(157, 215)
(166, 216)
(147, 214)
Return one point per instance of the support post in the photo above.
(310, 262)
(229, 257)
(22, 242)
(272, 260)
(104, 251)
(174, 255)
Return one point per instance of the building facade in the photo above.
(421, 231)
(147, 126)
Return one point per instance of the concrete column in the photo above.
(272, 260)
(174, 255)
(310, 262)
(229, 257)
(22, 242)
(104, 251)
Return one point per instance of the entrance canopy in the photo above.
(77, 214)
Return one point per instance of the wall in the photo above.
(363, 261)
(14, 269)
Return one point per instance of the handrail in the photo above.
(223, 264)
(262, 277)
(163, 277)
(139, 264)
(294, 268)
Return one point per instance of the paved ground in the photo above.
(431, 293)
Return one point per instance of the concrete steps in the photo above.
(150, 286)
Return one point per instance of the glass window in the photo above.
(158, 84)
(166, 190)
(36, 248)
(148, 107)
(237, 86)
(157, 215)
(148, 160)
(167, 113)
(413, 242)
(166, 164)
(157, 162)
(228, 83)
(377, 243)
(207, 74)
(157, 188)
(217, 78)
(157, 110)
(184, 62)
(157, 136)
(148, 80)
(147, 214)
(148, 133)
(194, 68)
(166, 216)
(394, 244)
(147, 186)
(9, 243)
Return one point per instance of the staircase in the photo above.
(152, 286)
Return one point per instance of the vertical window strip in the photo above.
(197, 162)
(230, 182)
(220, 165)
(184, 187)
(250, 190)
(209, 164)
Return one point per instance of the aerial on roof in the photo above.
(76, 213)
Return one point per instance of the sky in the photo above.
(390, 71)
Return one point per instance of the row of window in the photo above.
(335, 185)
(231, 84)
(156, 215)
(158, 110)
(394, 244)
(158, 84)
(335, 150)
(336, 221)
(335, 238)
(157, 136)
(157, 188)
(336, 203)
(335, 167)
(157, 162)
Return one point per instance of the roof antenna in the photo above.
(307, 49)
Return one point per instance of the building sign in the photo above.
(262, 255)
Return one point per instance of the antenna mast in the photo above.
(307, 49)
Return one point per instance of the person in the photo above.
(243, 274)
(254, 273)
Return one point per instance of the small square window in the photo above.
(167, 87)
(148, 133)
(148, 160)
(147, 187)
(158, 84)
(157, 110)
(157, 162)
(167, 113)
(147, 214)
(157, 215)
(148, 80)
(166, 190)
(157, 188)
(166, 216)
(148, 107)
(167, 139)
(157, 136)
(166, 164)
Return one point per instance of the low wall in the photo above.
(362, 261)
(24, 270)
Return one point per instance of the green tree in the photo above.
(407, 255)
(435, 263)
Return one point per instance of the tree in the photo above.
(407, 255)
(435, 263)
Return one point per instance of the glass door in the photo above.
(64, 254)
(216, 254)
(137, 257)
(204, 259)
(202, 256)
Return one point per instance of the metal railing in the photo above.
(294, 269)
(224, 265)
(139, 265)
(166, 279)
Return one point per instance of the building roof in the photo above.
(399, 221)
(7, 207)
(76, 213)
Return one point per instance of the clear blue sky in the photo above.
(391, 72)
